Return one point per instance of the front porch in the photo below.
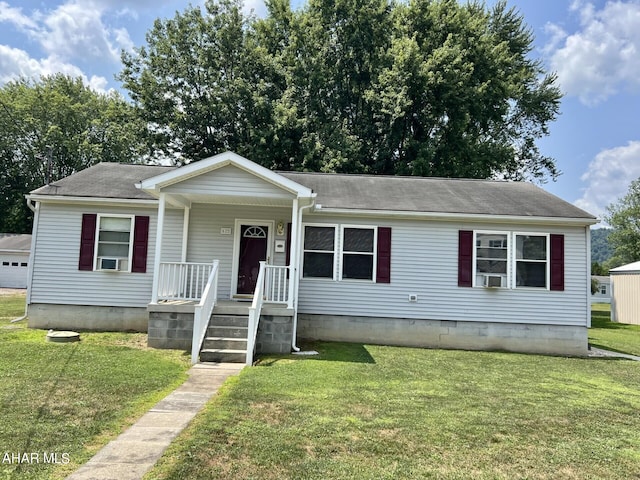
(171, 326)
(249, 219)
(188, 314)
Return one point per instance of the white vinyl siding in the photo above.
(56, 278)
(230, 181)
(424, 262)
(207, 242)
(172, 236)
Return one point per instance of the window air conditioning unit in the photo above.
(492, 281)
(109, 263)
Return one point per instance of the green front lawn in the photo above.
(71, 399)
(606, 334)
(374, 412)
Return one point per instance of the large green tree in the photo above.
(427, 87)
(204, 84)
(51, 128)
(624, 217)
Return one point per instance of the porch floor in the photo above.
(223, 307)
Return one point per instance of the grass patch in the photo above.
(375, 412)
(618, 337)
(73, 398)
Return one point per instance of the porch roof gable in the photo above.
(154, 185)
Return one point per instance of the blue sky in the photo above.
(593, 46)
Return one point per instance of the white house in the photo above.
(603, 292)
(625, 293)
(179, 252)
(14, 260)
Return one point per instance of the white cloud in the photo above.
(609, 176)
(15, 63)
(75, 30)
(603, 56)
(15, 16)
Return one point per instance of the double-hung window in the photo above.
(319, 251)
(492, 259)
(114, 242)
(531, 260)
(358, 258)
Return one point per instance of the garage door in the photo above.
(13, 271)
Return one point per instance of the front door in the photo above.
(253, 250)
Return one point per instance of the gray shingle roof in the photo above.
(357, 192)
(105, 180)
(438, 195)
(16, 242)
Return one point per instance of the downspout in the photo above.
(36, 215)
(588, 245)
(297, 277)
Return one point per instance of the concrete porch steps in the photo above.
(226, 339)
(217, 354)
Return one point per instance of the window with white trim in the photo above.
(319, 253)
(492, 259)
(511, 260)
(358, 253)
(531, 257)
(114, 242)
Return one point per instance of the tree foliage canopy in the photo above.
(60, 119)
(427, 87)
(624, 217)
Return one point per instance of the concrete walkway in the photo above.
(136, 451)
(601, 353)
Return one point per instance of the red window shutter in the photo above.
(140, 242)
(87, 241)
(557, 262)
(288, 245)
(465, 258)
(383, 269)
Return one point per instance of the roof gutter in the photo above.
(442, 216)
(141, 202)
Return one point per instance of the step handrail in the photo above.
(255, 311)
(202, 312)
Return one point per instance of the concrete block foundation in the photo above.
(275, 334)
(170, 329)
(87, 317)
(515, 337)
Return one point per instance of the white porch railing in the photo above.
(203, 311)
(271, 287)
(276, 284)
(183, 280)
(254, 315)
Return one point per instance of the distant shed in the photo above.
(14, 260)
(625, 294)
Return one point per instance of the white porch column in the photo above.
(293, 254)
(158, 253)
(185, 233)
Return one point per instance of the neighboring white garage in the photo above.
(14, 260)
